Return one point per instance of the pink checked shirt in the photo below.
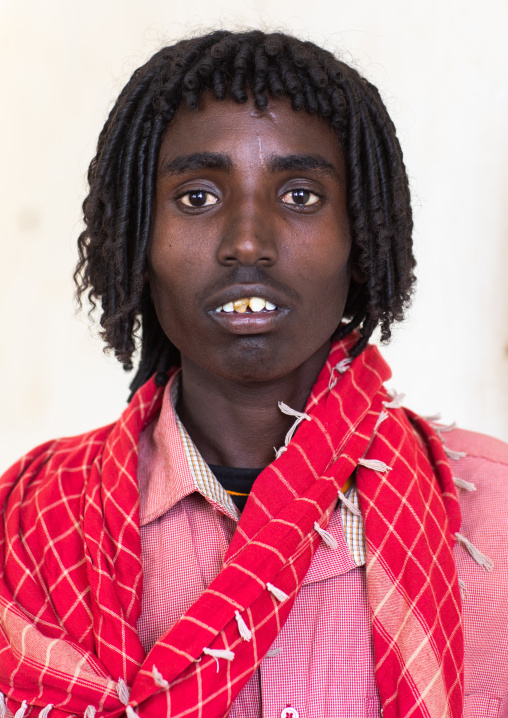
(321, 663)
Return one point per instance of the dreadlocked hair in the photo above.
(117, 211)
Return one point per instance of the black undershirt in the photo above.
(237, 482)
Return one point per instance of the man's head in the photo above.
(250, 206)
(261, 76)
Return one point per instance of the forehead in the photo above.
(239, 130)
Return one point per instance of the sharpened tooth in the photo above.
(228, 307)
(257, 304)
(270, 306)
(240, 305)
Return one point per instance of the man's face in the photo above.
(249, 204)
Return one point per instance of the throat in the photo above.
(231, 437)
(237, 424)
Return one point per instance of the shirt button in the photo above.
(289, 712)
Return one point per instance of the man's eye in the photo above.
(198, 198)
(301, 197)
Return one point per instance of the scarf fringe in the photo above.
(341, 368)
(444, 428)
(216, 653)
(123, 691)
(45, 711)
(299, 417)
(463, 484)
(90, 712)
(327, 537)
(349, 504)
(21, 711)
(273, 652)
(375, 465)
(277, 592)
(243, 629)
(396, 402)
(454, 455)
(481, 559)
(383, 415)
(159, 680)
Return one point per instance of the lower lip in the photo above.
(249, 322)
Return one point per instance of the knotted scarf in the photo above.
(71, 581)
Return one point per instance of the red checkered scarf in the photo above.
(70, 590)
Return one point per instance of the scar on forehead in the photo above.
(263, 114)
(260, 151)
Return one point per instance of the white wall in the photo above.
(441, 66)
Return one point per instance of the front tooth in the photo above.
(240, 305)
(257, 304)
(270, 306)
(228, 307)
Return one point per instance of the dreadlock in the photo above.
(117, 210)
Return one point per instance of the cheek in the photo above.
(165, 280)
(326, 265)
(170, 302)
(336, 254)
(326, 277)
(169, 257)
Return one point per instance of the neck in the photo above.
(239, 424)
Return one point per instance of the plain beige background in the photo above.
(441, 67)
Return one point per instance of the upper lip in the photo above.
(241, 291)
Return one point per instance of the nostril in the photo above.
(244, 244)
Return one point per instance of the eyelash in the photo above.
(208, 194)
(196, 192)
(304, 190)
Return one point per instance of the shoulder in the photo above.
(55, 457)
(45, 488)
(478, 446)
(76, 454)
(482, 461)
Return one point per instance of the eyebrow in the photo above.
(196, 161)
(277, 163)
(303, 163)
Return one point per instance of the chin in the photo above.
(253, 359)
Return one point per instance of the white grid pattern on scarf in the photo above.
(207, 485)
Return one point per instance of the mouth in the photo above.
(248, 305)
(248, 313)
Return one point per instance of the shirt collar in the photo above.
(171, 467)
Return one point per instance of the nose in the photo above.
(249, 237)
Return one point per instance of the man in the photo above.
(249, 210)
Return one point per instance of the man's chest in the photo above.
(321, 663)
